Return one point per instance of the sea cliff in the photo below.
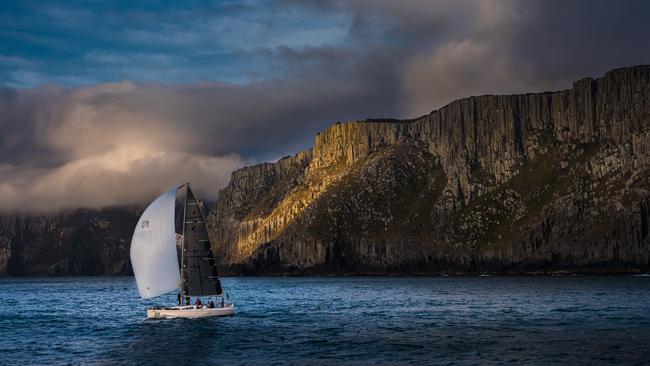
(544, 182)
(71, 242)
(554, 182)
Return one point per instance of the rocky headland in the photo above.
(555, 182)
(534, 183)
(71, 242)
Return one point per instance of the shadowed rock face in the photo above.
(78, 242)
(518, 183)
(529, 183)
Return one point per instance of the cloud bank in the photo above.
(212, 87)
(122, 143)
(93, 147)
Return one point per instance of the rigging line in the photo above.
(196, 226)
(182, 285)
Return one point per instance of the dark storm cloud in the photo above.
(446, 50)
(250, 81)
(583, 38)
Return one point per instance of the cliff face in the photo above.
(515, 183)
(78, 242)
(511, 184)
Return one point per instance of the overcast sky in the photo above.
(105, 103)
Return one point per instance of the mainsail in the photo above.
(199, 269)
(153, 248)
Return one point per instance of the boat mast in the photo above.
(183, 246)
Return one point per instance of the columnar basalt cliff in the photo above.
(534, 183)
(514, 184)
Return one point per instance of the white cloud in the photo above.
(120, 176)
(114, 150)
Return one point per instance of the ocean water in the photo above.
(335, 321)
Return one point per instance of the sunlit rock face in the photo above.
(517, 183)
(531, 183)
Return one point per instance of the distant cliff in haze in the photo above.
(533, 183)
(71, 242)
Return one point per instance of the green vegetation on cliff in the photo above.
(512, 184)
(532, 183)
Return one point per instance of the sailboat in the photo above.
(154, 257)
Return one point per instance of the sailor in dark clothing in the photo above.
(198, 303)
(187, 300)
(180, 298)
(222, 303)
(211, 304)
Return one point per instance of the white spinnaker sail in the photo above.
(153, 248)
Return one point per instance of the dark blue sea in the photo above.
(335, 321)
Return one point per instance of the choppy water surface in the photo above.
(357, 320)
